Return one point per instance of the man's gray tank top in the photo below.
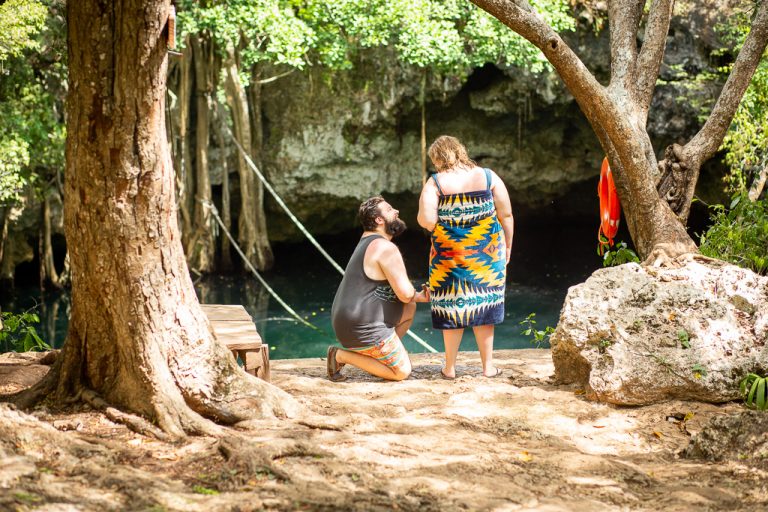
(364, 311)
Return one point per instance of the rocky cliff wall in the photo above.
(333, 140)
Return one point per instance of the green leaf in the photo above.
(760, 402)
(751, 396)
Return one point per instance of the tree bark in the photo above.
(4, 214)
(757, 186)
(252, 225)
(137, 336)
(226, 203)
(48, 274)
(681, 166)
(263, 247)
(201, 248)
(422, 102)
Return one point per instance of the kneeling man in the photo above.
(375, 303)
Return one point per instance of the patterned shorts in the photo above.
(389, 352)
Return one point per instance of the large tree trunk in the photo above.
(252, 225)
(201, 248)
(136, 334)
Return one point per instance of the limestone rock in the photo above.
(633, 335)
(742, 437)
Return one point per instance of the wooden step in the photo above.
(237, 334)
(217, 312)
(234, 327)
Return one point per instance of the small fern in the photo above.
(754, 390)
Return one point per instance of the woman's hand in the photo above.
(423, 295)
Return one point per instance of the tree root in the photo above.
(668, 255)
(249, 459)
(28, 398)
(246, 398)
(242, 456)
(133, 422)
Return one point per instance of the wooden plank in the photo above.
(234, 327)
(225, 312)
(237, 334)
(256, 362)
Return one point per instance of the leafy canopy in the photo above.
(19, 21)
(31, 127)
(739, 233)
(449, 36)
(746, 143)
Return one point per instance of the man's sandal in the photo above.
(333, 367)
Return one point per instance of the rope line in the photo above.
(282, 204)
(272, 292)
(298, 223)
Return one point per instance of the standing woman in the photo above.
(468, 211)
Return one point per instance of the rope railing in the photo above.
(298, 223)
(269, 289)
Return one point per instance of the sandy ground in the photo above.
(512, 443)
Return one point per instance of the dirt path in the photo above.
(511, 443)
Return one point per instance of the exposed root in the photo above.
(674, 178)
(28, 398)
(242, 456)
(133, 422)
(668, 255)
(246, 398)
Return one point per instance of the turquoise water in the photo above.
(288, 338)
(537, 283)
(311, 298)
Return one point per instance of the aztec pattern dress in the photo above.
(467, 263)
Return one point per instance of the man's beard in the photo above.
(394, 227)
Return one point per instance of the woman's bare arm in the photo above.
(503, 211)
(427, 217)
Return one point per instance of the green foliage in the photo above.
(619, 255)
(698, 370)
(739, 234)
(14, 156)
(450, 36)
(754, 391)
(684, 338)
(199, 489)
(19, 21)
(19, 334)
(538, 337)
(746, 142)
(32, 130)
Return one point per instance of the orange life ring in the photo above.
(610, 209)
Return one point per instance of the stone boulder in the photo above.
(739, 437)
(636, 335)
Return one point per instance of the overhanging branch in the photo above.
(624, 20)
(609, 121)
(652, 51)
(705, 143)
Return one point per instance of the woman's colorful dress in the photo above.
(467, 264)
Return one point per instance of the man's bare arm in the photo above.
(391, 263)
